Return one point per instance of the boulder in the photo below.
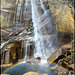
(33, 73)
(55, 55)
(38, 58)
(60, 52)
(72, 66)
(40, 10)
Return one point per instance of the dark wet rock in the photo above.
(40, 10)
(64, 62)
(61, 51)
(11, 51)
(10, 33)
(70, 62)
(4, 35)
(38, 58)
(15, 33)
(60, 57)
(65, 59)
(56, 54)
(30, 50)
(29, 62)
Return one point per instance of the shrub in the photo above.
(54, 31)
(47, 6)
(73, 41)
(72, 54)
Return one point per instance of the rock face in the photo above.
(65, 38)
(60, 57)
(21, 20)
(8, 13)
(15, 50)
(4, 35)
(11, 52)
(38, 58)
(63, 15)
(66, 24)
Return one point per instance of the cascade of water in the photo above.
(25, 7)
(26, 48)
(35, 17)
(43, 27)
(21, 54)
(18, 10)
(42, 5)
(17, 23)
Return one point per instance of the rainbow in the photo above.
(24, 62)
(14, 66)
(61, 67)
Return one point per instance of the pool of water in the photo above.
(23, 68)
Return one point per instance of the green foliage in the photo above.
(72, 4)
(47, 6)
(54, 31)
(71, 50)
(73, 40)
(72, 54)
(68, 57)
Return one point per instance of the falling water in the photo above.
(43, 30)
(18, 10)
(25, 7)
(26, 50)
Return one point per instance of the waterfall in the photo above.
(25, 50)
(43, 29)
(18, 10)
(25, 8)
